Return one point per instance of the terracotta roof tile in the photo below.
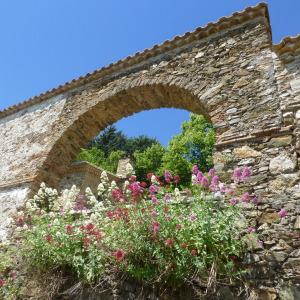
(288, 44)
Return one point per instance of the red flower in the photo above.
(97, 234)
(176, 178)
(178, 226)
(117, 194)
(149, 175)
(143, 184)
(119, 254)
(233, 257)
(169, 242)
(194, 252)
(49, 238)
(183, 245)
(155, 226)
(86, 242)
(2, 282)
(132, 178)
(20, 221)
(89, 227)
(69, 229)
(166, 209)
(110, 214)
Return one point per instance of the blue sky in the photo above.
(46, 43)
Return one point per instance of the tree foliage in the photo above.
(149, 160)
(194, 145)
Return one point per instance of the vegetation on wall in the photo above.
(147, 231)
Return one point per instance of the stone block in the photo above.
(282, 164)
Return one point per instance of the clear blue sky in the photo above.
(48, 42)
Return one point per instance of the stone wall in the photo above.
(83, 175)
(229, 71)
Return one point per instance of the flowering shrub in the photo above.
(149, 230)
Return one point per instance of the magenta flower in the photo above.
(222, 187)
(176, 179)
(246, 198)
(193, 217)
(254, 200)
(117, 194)
(153, 189)
(282, 213)
(195, 169)
(155, 227)
(178, 226)
(237, 174)
(169, 242)
(154, 214)
(135, 188)
(215, 180)
(204, 181)
(132, 178)
(251, 229)
(214, 184)
(199, 176)
(212, 172)
(119, 254)
(167, 197)
(154, 200)
(246, 173)
(233, 201)
(2, 282)
(168, 176)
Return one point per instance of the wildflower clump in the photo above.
(150, 230)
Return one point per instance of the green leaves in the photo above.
(149, 160)
(194, 145)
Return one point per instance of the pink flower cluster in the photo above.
(80, 203)
(117, 195)
(119, 254)
(241, 174)
(136, 189)
(210, 182)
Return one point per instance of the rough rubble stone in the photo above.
(282, 164)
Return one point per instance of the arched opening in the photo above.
(107, 111)
(152, 142)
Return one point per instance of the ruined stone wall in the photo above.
(83, 175)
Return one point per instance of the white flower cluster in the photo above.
(45, 198)
(67, 199)
(104, 188)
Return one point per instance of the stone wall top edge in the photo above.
(32, 107)
(222, 26)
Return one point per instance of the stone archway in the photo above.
(229, 71)
(106, 111)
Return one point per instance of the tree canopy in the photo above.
(193, 145)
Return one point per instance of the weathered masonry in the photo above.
(230, 71)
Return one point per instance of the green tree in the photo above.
(194, 145)
(139, 143)
(149, 160)
(109, 140)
